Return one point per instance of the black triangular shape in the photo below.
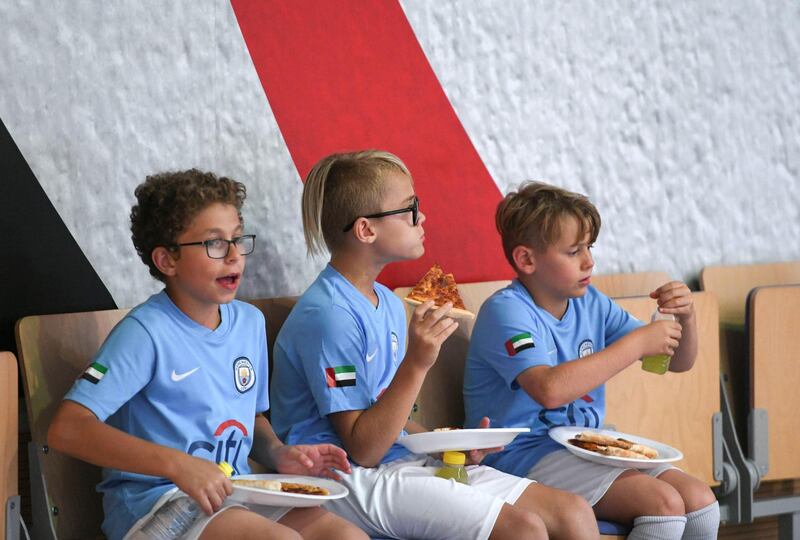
(42, 269)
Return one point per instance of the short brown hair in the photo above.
(339, 189)
(167, 203)
(533, 215)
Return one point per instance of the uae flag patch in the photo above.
(95, 373)
(340, 376)
(518, 343)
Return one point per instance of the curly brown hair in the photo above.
(167, 203)
(533, 215)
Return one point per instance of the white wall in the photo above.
(680, 119)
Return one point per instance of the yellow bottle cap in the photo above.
(454, 458)
(226, 468)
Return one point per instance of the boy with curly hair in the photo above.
(543, 348)
(180, 384)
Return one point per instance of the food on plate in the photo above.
(441, 288)
(612, 446)
(269, 485)
(286, 487)
(446, 428)
(305, 489)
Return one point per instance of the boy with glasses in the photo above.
(343, 375)
(180, 384)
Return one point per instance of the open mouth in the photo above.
(231, 281)
(586, 280)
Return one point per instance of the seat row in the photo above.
(690, 411)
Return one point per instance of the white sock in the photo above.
(657, 528)
(702, 524)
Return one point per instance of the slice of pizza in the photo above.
(304, 489)
(441, 288)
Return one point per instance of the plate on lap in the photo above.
(432, 442)
(255, 495)
(666, 453)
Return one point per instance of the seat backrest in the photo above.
(732, 283)
(54, 350)
(440, 402)
(629, 284)
(675, 408)
(275, 311)
(773, 324)
(9, 432)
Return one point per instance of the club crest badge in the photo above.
(586, 348)
(244, 376)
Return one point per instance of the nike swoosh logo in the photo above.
(371, 356)
(175, 377)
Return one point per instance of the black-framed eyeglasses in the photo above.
(217, 248)
(414, 209)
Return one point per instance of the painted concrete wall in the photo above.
(681, 120)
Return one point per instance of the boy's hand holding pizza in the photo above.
(429, 328)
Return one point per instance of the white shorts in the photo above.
(273, 513)
(563, 470)
(403, 499)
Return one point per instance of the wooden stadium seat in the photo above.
(674, 408)
(629, 284)
(54, 350)
(275, 311)
(9, 435)
(773, 325)
(732, 284)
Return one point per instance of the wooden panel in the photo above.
(54, 350)
(675, 408)
(733, 283)
(440, 402)
(775, 378)
(9, 426)
(275, 311)
(629, 284)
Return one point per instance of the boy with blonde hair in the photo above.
(543, 348)
(180, 384)
(343, 374)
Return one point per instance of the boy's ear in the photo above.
(164, 260)
(524, 259)
(364, 232)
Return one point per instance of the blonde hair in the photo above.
(533, 216)
(338, 190)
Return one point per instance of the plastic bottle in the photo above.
(658, 363)
(174, 518)
(453, 467)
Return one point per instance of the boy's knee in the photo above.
(347, 532)
(699, 496)
(665, 500)
(533, 526)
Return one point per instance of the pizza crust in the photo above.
(610, 446)
(285, 487)
(455, 313)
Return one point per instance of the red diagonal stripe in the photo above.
(350, 74)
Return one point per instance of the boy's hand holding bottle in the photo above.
(203, 481)
(675, 303)
(429, 328)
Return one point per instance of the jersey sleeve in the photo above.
(262, 399)
(509, 339)
(333, 361)
(619, 322)
(124, 364)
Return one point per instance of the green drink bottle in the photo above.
(658, 363)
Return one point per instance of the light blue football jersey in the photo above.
(513, 334)
(335, 352)
(162, 377)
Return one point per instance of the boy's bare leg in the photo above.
(517, 524)
(695, 493)
(318, 524)
(242, 524)
(634, 494)
(566, 515)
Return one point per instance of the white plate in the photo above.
(431, 442)
(278, 498)
(666, 453)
